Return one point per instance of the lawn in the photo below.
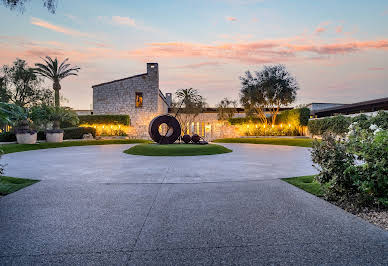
(12, 184)
(273, 141)
(307, 183)
(10, 148)
(176, 149)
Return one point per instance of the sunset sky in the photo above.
(337, 50)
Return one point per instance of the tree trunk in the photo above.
(56, 88)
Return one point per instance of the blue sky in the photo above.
(337, 50)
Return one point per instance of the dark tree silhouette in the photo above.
(20, 4)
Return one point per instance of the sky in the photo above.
(336, 50)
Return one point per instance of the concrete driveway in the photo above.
(97, 205)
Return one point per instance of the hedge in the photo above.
(77, 132)
(339, 125)
(104, 119)
(297, 117)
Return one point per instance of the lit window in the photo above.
(139, 99)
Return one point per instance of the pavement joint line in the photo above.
(146, 218)
(382, 245)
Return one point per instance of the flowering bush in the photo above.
(355, 168)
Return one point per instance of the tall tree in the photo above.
(270, 89)
(20, 4)
(20, 85)
(188, 104)
(56, 72)
(226, 109)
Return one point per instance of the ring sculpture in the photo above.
(173, 129)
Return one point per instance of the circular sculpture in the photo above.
(173, 129)
(195, 138)
(186, 138)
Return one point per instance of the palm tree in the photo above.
(189, 97)
(52, 70)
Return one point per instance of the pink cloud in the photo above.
(231, 18)
(320, 30)
(203, 64)
(376, 68)
(254, 52)
(60, 29)
(339, 29)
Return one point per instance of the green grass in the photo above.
(176, 149)
(273, 141)
(10, 148)
(307, 183)
(9, 185)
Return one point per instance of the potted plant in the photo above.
(55, 134)
(19, 118)
(58, 115)
(25, 135)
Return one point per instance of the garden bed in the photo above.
(177, 149)
(301, 142)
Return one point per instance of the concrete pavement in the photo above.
(157, 213)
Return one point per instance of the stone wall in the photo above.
(118, 97)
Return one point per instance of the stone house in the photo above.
(138, 96)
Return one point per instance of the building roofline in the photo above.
(118, 80)
(163, 97)
(353, 105)
(326, 103)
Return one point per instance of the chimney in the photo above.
(169, 99)
(152, 69)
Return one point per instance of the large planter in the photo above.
(26, 138)
(54, 136)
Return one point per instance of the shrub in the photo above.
(77, 132)
(104, 119)
(334, 164)
(354, 169)
(296, 117)
(371, 148)
(337, 125)
(41, 135)
(7, 137)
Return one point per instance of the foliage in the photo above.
(301, 142)
(187, 105)
(260, 130)
(56, 72)
(11, 114)
(20, 85)
(339, 125)
(270, 89)
(307, 183)
(370, 146)
(7, 137)
(296, 117)
(104, 119)
(11, 148)
(20, 4)
(9, 185)
(334, 163)
(78, 132)
(176, 149)
(42, 115)
(226, 109)
(355, 169)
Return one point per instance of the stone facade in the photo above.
(119, 97)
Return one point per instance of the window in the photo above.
(139, 99)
